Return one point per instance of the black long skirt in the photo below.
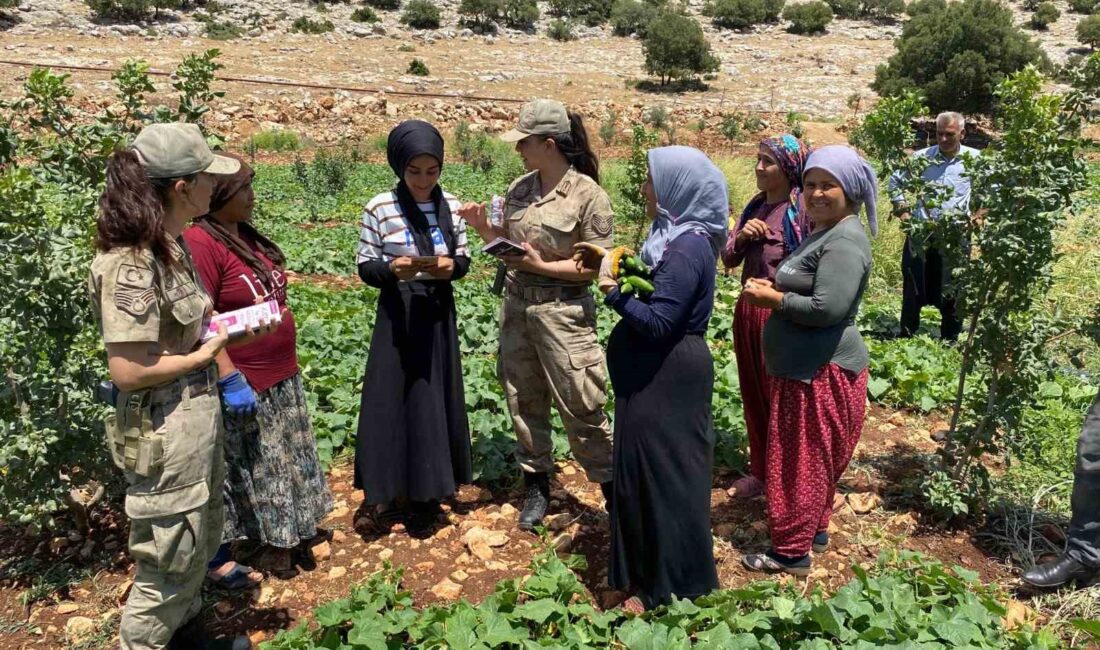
(414, 439)
(664, 453)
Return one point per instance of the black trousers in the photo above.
(1083, 541)
(924, 281)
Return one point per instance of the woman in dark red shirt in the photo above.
(275, 489)
(771, 226)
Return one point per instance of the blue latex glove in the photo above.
(238, 398)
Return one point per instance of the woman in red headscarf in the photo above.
(275, 488)
(771, 226)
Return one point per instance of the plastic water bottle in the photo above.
(496, 211)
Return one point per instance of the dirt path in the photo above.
(450, 562)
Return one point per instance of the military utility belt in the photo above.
(131, 437)
(546, 294)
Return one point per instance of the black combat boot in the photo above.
(608, 489)
(536, 501)
(190, 636)
(1060, 572)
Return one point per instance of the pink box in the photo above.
(239, 320)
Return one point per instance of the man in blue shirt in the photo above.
(925, 275)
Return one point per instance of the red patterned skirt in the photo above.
(748, 333)
(813, 432)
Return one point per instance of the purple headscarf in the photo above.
(855, 175)
(790, 153)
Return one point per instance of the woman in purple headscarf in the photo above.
(771, 226)
(816, 358)
(663, 375)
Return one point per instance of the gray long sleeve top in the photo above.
(822, 283)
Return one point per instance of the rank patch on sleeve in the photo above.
(602, 223)
(134, 292)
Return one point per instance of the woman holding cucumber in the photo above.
(413, 445)
(548, 347)
(663, 376)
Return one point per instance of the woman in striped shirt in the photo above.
(413, 445)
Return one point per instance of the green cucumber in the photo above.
(641, 284)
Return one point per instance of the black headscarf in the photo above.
(408, 140)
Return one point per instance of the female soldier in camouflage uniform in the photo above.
(548, 346)
(166, 432)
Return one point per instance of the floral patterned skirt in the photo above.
(275, 490)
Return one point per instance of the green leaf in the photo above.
(1091, 627)
(877, 387)
(495, 629)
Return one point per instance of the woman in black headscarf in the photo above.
(413, 447)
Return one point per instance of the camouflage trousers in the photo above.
(176, 515)
(549, 353)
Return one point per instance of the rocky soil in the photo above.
(476, 544)
(764, 70)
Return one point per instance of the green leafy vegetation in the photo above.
(49, 344)
(902, 601)
(364, 15)
(481, 14)
(955, 54)
(589, 12)
(418, 68)
(808, 17)
(1000, 293)
(520, 14)
(868, 9)
(221, 30)
(1082, 6)
(307, 25)
(676, 49)
(739, 14)
(1045, 14)
(561, 30)
(631, 17)
(422, 14)
(385, 5)
(1088, 31)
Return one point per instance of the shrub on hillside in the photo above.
(422, 14)
(483, 14)
(221, 30)
(738, 14)
(8, 4)
(120, 9)
(560, 30)
(1046, 14)
(418, 68)
(918, 7)
(364, 15)
(590, 12)
(631, 17)
(870, 9)
(1082, 6)
(306, 25)
(520, 14)
(808, 17)
(1088, 31)
(385, 5)
(676, 49)
(955, 55)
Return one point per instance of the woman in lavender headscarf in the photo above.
(663, 376)
(816, 358)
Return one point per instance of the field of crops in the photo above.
(920, 374)
(311, 208)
